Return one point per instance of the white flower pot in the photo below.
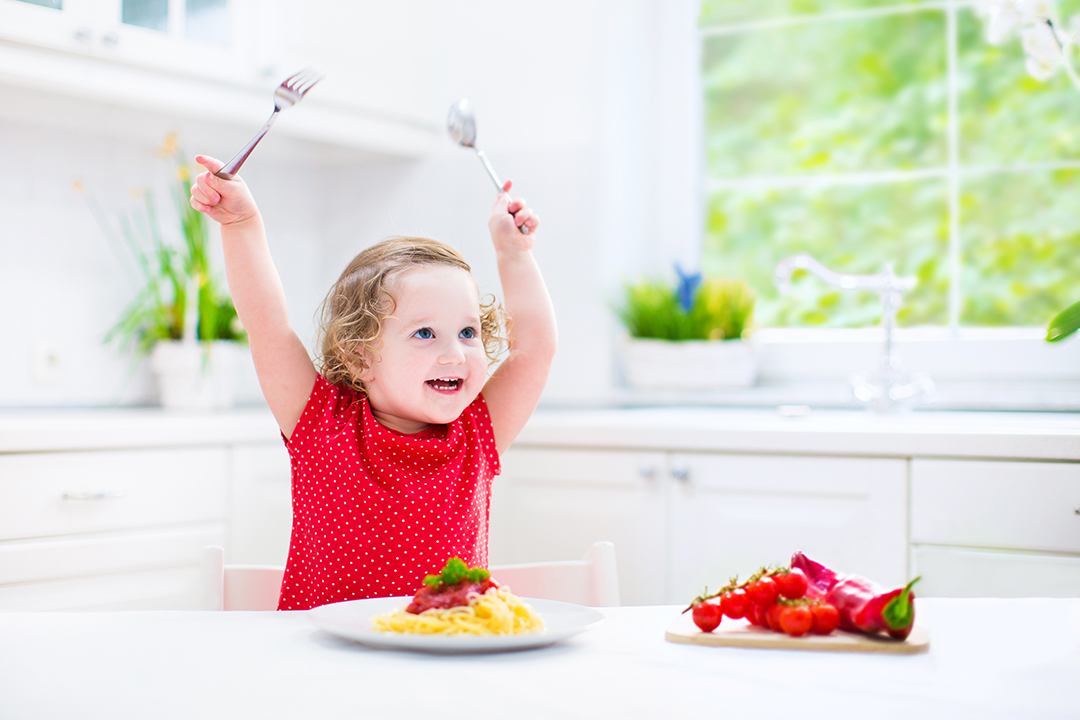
(196, 376)
(688, 364)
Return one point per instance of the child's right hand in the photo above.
(226, 201)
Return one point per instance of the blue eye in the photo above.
(424, 333)
(468, 333)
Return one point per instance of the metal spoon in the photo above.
(462, 126)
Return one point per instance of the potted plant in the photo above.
(181, 317)
(691, 336)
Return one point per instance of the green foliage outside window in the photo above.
(829, 134)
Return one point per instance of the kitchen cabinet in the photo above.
(261, 517)
(219, 62)
(111, 510)
(210, 39)
(731, 514)
(553, 504)
(996, 528)
(681, 521)
(108, 529)
(978, 504)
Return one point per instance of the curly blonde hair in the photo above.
(358, 303)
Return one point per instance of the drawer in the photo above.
(963, 572)
(62, 493)
(996, 504)
(24, 561)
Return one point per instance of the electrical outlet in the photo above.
(48, 363)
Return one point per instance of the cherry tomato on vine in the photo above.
(826, 619)
(707, 616)
(772, 617)
(796, 620)
(735, 604)
(763, 592)
(793, 584)
(753, 614)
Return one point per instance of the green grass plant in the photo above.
(721, 310)
(173, 270)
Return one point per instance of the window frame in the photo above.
(979, 368)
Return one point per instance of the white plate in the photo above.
(352, 620)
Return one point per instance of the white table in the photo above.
(988, 659)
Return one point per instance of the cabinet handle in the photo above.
(83, 34)
(1077, 509)
(647, 471)
(95, 495)
(110, 39)
(682, 474)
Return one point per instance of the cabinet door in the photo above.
(731, 514)
(261, 522)
(990, 528)
(553, 504)
(55, 24)
(996, 504)
(209, 37)
(966, 572)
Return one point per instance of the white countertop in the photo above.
(48, 430)
(1039, 436)
(988, 658)
(820, 432)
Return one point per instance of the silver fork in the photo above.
(287, 94)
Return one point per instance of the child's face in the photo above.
(431, 362)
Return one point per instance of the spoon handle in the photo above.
(498, 184)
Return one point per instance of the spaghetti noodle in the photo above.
(495, 612)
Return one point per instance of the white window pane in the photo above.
(151, 14)
(207, 21)
(850, 229)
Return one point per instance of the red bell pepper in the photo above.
(864, 605)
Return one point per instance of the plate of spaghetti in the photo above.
(462, 610)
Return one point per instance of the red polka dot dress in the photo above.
(374, 511)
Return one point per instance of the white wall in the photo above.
(587, 105)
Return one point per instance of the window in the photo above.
(864, 132)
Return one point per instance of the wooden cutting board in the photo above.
(740, 633)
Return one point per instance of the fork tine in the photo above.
(303, 90)
(287, 82)
(303, 77)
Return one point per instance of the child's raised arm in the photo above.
(285, 371)
(514, 390)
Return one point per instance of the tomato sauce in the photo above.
(447, 596)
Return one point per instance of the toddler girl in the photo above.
(395, 439)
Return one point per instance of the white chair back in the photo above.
(238, 587)
(593, 580)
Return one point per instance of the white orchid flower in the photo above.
(1004, 16)
(1040, 69)
(1047, 43)
(1034, 10)
(1040, 44)
(1001, 18)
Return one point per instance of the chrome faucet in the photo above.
(892, 390)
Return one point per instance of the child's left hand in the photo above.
(508, 216)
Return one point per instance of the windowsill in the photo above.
(981, 369)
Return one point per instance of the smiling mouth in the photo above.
(445, 384)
